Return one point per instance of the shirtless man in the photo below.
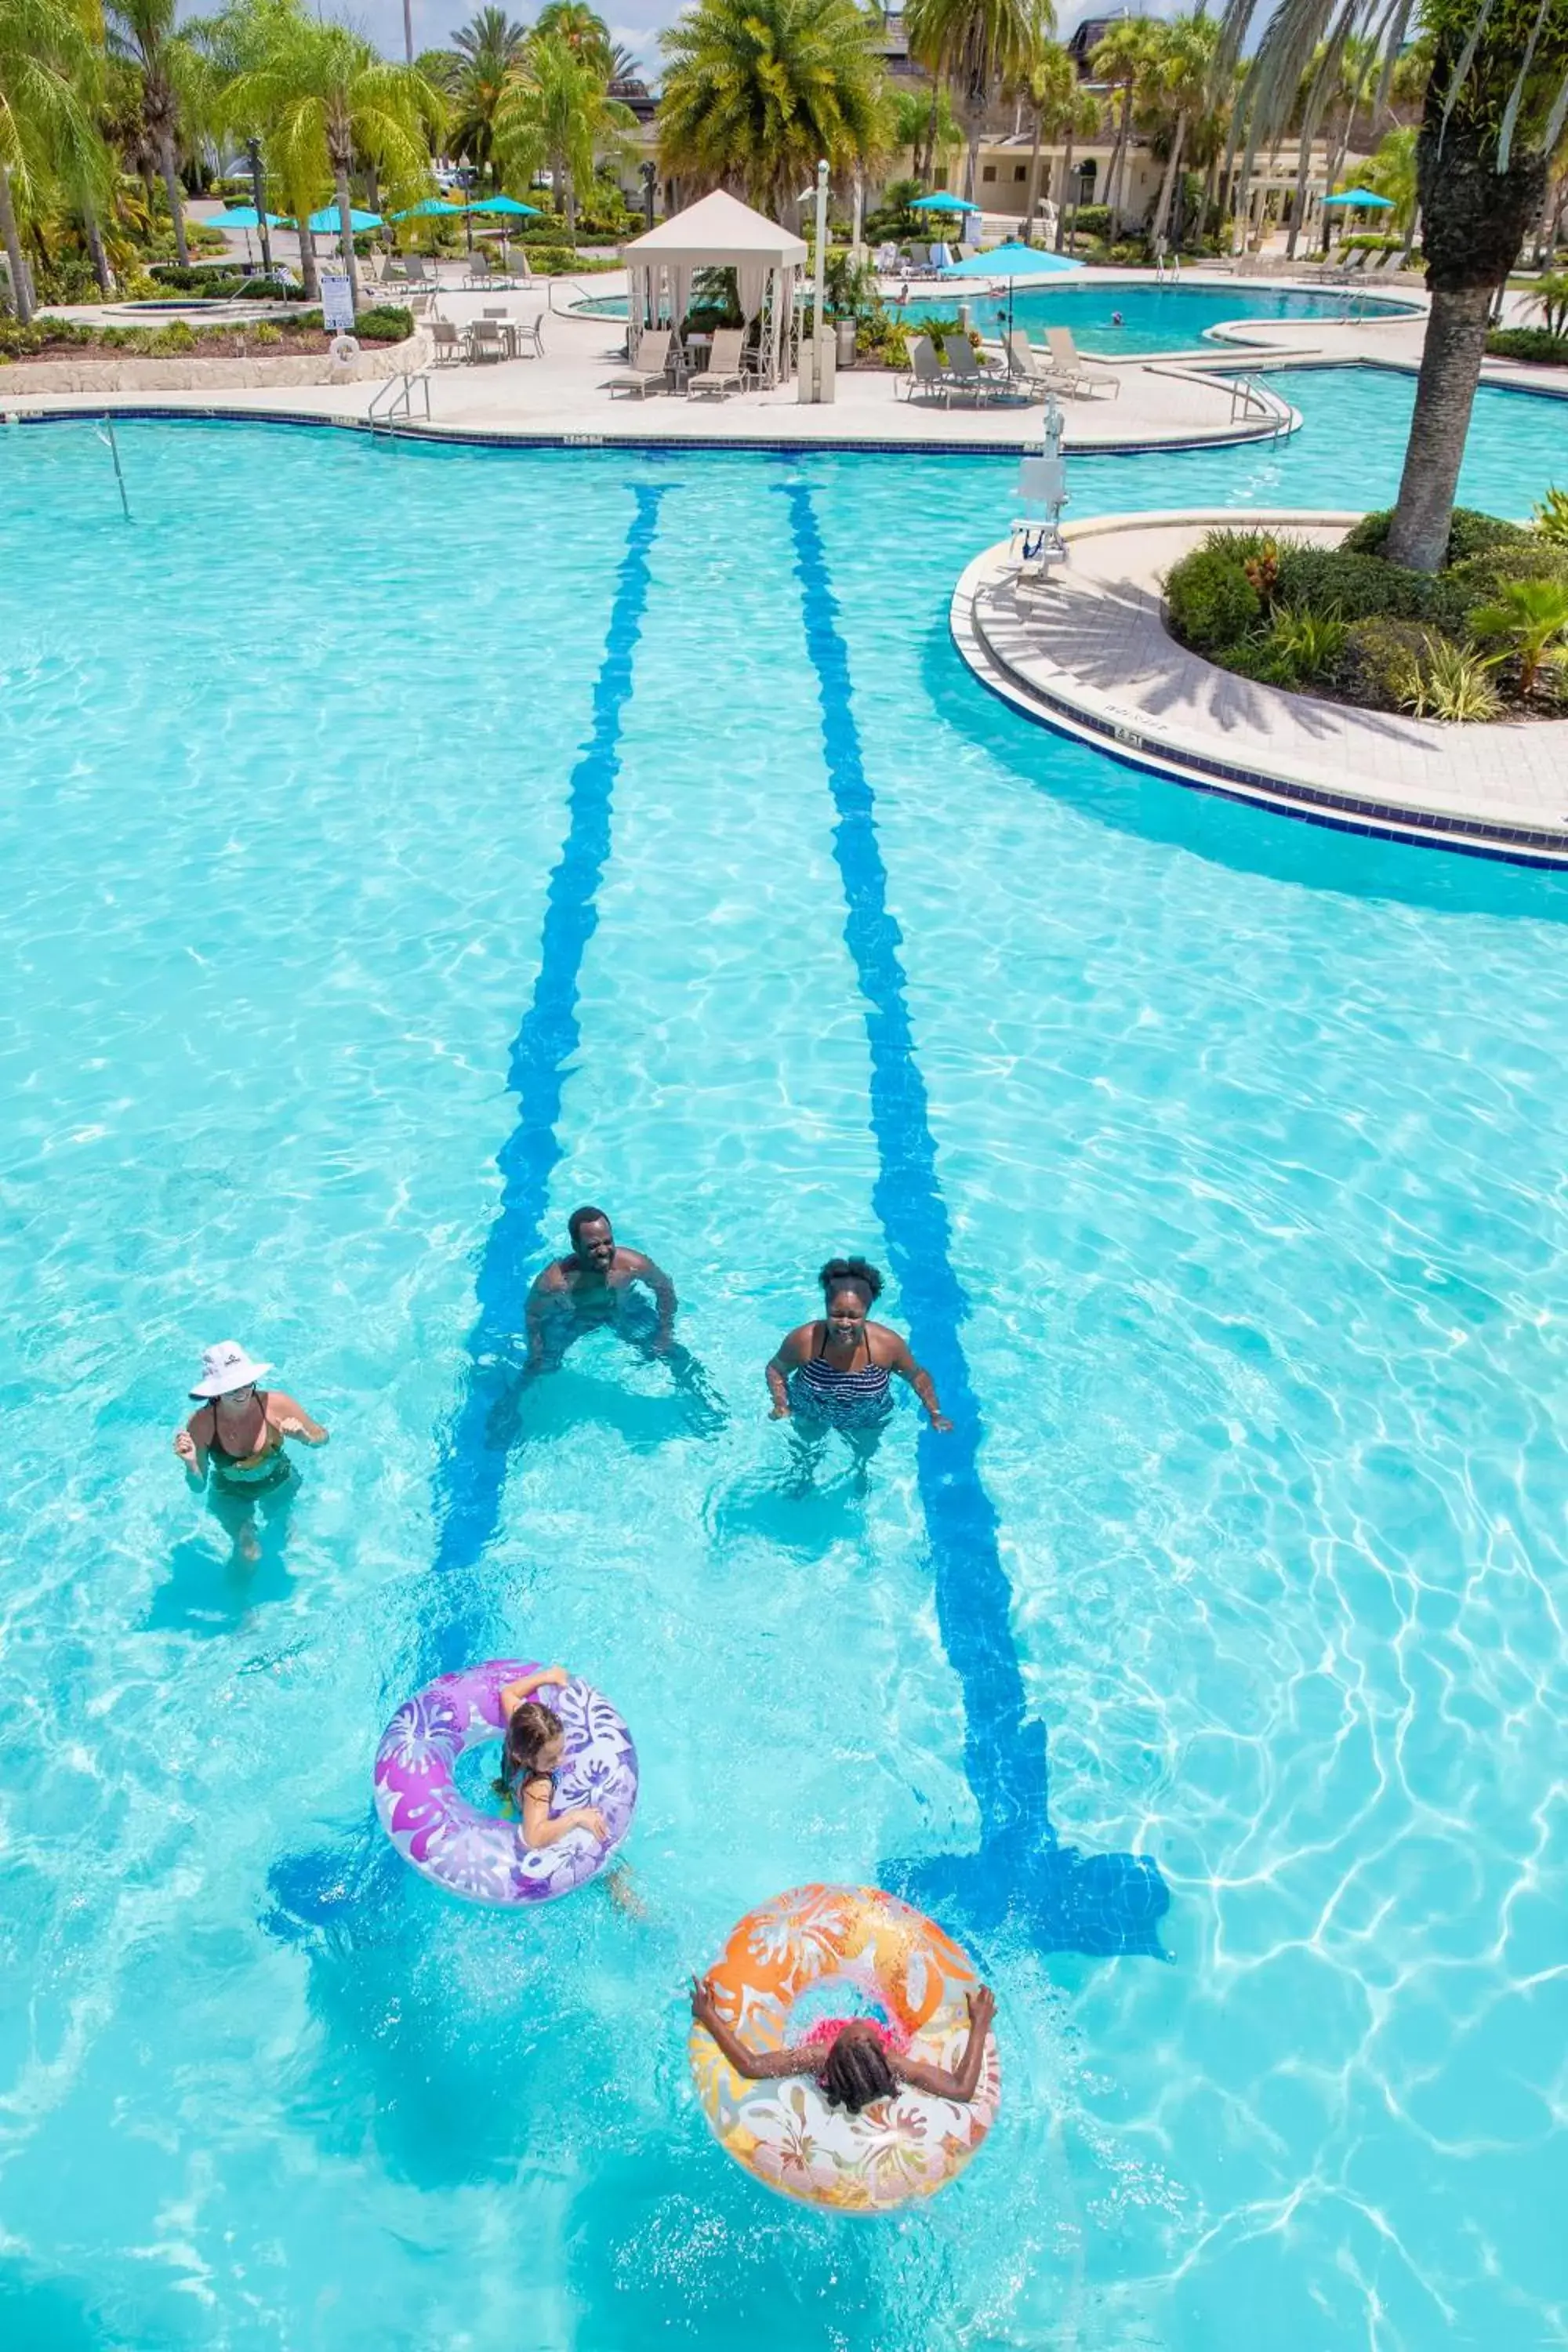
(599, 1285)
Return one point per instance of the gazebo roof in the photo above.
(718, 231)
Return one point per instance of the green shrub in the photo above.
(1378, 661)
(1538, 345)
(1351, 587)
(387, 322)
(1470, 532)
(1482, 577)
(1551, 516)
(1452, 684)
(1211, 603)
(264, 335)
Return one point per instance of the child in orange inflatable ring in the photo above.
(856, 2061)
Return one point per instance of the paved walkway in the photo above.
(1090, 656)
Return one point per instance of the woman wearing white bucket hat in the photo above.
(238, 1430)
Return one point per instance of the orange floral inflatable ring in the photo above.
(875, 1953)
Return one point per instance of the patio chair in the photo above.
(885, 260)
(927, 372)
(486, 342)
(650, 372)
(967, 375)
(1075, 373)
(447, 344)
(414, 269)
(529, 332)
(1026, 365)
(722, 373)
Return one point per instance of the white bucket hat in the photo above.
(227, 1367)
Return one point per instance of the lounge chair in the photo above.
(520, 268)
(414, 269)
(1074, 374)
(927, 372)
(722, 373)
(1028, 366)
(650, 372)
(968, 376)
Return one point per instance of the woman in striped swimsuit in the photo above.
(836, 1373)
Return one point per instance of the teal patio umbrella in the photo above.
(246, 217)
(432, 208)
(1013, 262)
(1360, 196)
(326, 221)
(941, 203)
(507, 206)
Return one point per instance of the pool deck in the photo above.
(1172, 402)
(1089, 657)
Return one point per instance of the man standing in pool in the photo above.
(599, 1285)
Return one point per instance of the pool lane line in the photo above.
(349, 1890)
(471, 1468)
(1100, 1904)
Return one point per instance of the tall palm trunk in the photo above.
(97, 254)
(1113, 181)
(1475, 220)
(924, 167)
(172, 190)
(21, 284)
(310, 275)
(1032, 188)
(972, 165)
(1444, 394)
(1168, 185)
(345, 226)
(1299, 205)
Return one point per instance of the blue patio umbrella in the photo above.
(433, 208)
(1013, 262)
(1362, 196)
(941, 203)
(507, 206)
(243, 216)
(326, 221)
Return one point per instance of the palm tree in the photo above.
(556, 112)
(485, 51)
(48, 84)
(330, 100)
(585, 32)
(1392, 173)
(975, 45)
(1046, 80)
(1083, 121)
(142, 35)
(1181, 77)
(757, 90)
(1123, 59)
(1495, 104)
(927, 127)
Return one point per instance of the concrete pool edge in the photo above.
(1252, 768)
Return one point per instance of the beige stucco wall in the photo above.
(129, 374)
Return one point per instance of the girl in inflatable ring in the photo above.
(856, 2060)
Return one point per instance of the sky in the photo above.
(637, 23)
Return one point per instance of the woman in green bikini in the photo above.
(237, 1432)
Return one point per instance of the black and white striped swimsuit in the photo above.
(849, 1400)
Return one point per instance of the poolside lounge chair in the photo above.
(414, 269)
(927, 372)
(519, 269)
(968, 376)
(722, 373)
(650, 372)
(1028, 366)
(1073, 372)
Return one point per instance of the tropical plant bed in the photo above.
(1536, 345)
(1486, 637)
(300, 337)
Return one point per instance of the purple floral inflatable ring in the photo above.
(481, 1856)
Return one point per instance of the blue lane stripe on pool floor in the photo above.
(349, 1889)
(470, 1473)
(1067, 1901)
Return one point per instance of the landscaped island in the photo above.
(1485, 637)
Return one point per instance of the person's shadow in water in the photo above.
(210, 1591)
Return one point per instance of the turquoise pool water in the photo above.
(1120, 317)
(1218, 1160)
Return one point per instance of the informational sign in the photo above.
(337, 302)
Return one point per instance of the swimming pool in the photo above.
(1226, 1163)
(1153, 317)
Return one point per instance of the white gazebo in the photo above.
(718, 232)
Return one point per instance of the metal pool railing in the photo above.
(1249, 398)
(395, 399)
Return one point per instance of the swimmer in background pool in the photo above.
(837, 1373)
(856, 2061)
(237, 1431)
(599, 1285)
